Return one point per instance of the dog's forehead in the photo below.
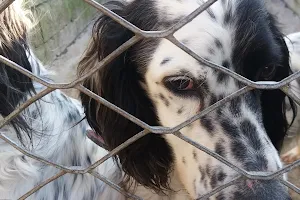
(205, 36)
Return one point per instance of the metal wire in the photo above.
(139, 35)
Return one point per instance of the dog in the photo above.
(144, 81)
(52, 127)
(162, 85)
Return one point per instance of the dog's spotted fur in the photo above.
(147, 80)
(49, 128)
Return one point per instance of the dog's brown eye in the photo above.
(180, 83)
(267, 72)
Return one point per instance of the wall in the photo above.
(294, 5)
(59, 23)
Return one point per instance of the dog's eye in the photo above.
(267, 72)
(179, 83)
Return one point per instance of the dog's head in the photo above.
(163, 86)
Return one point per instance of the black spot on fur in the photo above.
(228, 16)
(23, 158)
(235, 107)
(220, 196)
(183, 160)
(239, 150)
(165, 61)
(220, 149)
(222, 78)
(195, 156)
(180, 110)
(250, 132)
(226, 64)
(221, 176)
(88, 160)
(208, 170)
(202, 172)
(230, 129)
(211, 51)
(213, 99)
(214, 180)
(252, 101)
(221, 96)
(218, 44)
(164, 99)
(73, 116)
(208, 124)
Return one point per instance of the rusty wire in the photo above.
(139, 35)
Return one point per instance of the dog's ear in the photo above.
(273, 101)
(149, 159)
(15, 86)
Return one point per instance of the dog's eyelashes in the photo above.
(179, 83)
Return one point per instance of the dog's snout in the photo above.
(261, 190)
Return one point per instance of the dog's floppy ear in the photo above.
(149, 159)
(273, 101)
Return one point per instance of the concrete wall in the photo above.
(294, 5)
(59, 23)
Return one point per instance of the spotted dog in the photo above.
(51, 128)
(163, 86)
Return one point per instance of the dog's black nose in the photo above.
(261, 190)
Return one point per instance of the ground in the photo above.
(65, 65)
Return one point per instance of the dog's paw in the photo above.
(291, 156)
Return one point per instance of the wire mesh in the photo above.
(140, 34)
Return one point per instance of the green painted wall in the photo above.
(59, 22)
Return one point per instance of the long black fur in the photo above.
(15, 86)
(149, 159)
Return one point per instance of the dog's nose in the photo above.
(261, 190)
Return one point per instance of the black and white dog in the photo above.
(49, 128)
(161, 85)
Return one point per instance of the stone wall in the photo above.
(58, 24)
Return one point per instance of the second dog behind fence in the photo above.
(163, 86)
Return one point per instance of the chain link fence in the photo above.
(139, 35)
